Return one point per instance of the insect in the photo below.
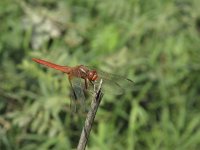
(113, 83)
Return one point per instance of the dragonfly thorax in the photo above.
(89, 74)
(92, 75)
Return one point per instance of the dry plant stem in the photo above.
(90, 119)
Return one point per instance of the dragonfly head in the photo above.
(92, 75)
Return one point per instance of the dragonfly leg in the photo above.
(92, 82)
(86, 84)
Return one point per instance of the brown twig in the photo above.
(90, 118)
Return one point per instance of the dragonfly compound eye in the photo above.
(92, 75)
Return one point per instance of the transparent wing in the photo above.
(79, 95)
(114, 83)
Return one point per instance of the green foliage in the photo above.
(155, 43)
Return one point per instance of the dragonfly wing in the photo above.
(109, 86)
(77, 95)
(115, 83)
(80, 94)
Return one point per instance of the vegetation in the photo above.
(155, 43)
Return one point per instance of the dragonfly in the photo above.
(91, 78)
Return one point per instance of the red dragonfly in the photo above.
(112, 83)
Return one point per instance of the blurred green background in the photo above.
(155, 43)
